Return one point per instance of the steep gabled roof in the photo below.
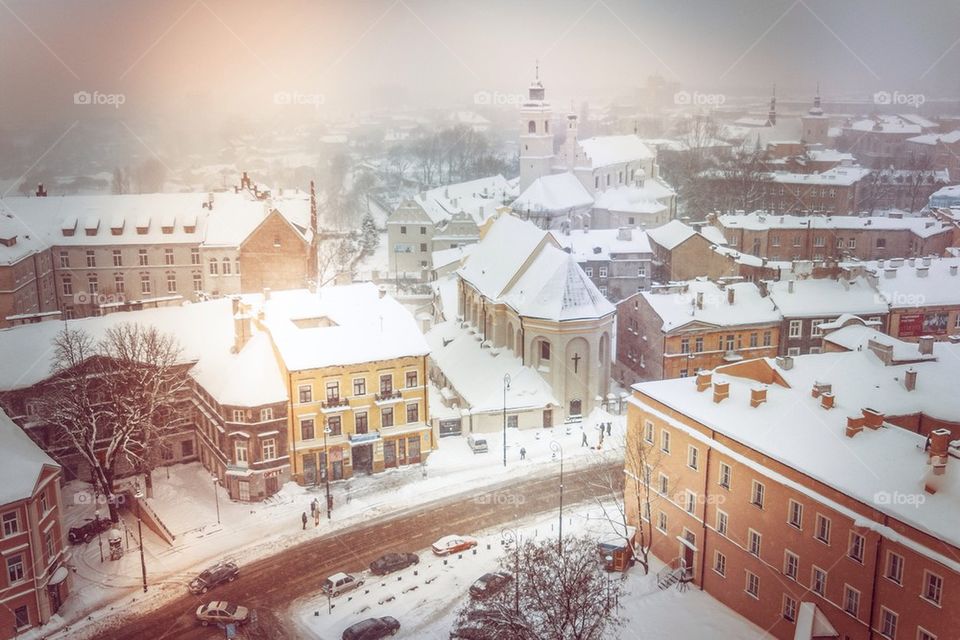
(21, 462)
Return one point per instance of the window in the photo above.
(588, 271)
(15, 568)
(145, 285)
(642, 271)
(818, 583)
(403, 230)
(214, 267)
(789, 608)
(11, 523)
(720, 563)
(91, 258)
(423, 231)
(775, 240)
(851, 600)
(753, 584)
(684, 345)
(359, 386)
(413, 413)
(690, 500)
(423, 247)
(822, 532)
(753, 542)
(662, 522)
(171, 283)
(334, 425)
(194, 255)
(266, 414)
(693, 455)
(852, 243)
(64, 260)
(225, 266)
(238, 415)
(818, 241)
(386, 417)
(881, 243)
(305, 393)
(923, 634)
(894, 571)
(240, 447)
(791, 564)
(796, 328)
(43, 502)
(168, 257)
(21, 617)
(756, 494)
(664, 484)
(795, 514)
(269, 447)
(839, 243)
(603, 272)
(648, 432)
(793, 351)
(333, 391)
(386, 384)
(722, 521)
(857, 544)
(698, 344)
(143, 260)
(411, 379)
(67, 285)
(197, 281)
(815, 329)
(767, 337)
(753, 339)
(118, 283)
(117, 258)
(360, 424)
(49, 545)
(93, 284)
(724, 480)
(932, 587)
(888, 623)
(544, 350)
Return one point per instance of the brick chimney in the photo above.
(872, 418)
(704, 380)
(699, 299)
(721, 391)
(731, 294)
(41, 192)
(953, 269)
(820, 388)
(926, 345)
(789, 286)
(826, 400)
(910, 379)
(758, 395)
(938, 451)
(242, 325)
(855, 425)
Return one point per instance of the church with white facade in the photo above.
(603, 182)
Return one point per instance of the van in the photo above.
(477, 444)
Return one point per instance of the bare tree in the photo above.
(114, 400)
(554, 596)
(334, 256)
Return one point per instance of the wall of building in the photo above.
(274, 257)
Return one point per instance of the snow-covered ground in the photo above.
(185, 502)
(425, 598)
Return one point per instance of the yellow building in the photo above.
(355, 365)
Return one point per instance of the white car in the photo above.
(453, 544)
(220, 612)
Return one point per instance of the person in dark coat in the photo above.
(523, 453)
(609, 428)
(303, 519)
(584, 442)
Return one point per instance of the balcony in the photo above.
(334, 405)
(388, 397)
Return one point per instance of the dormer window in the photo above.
(69, 226)
(143, 226)
(8, 239)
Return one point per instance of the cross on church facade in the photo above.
(576, 362)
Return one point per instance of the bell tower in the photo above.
(536, 139)
(815, 126)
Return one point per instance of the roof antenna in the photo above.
(537, 73)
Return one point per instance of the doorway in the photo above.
(575, 408)
(547, 418)
(363, 459)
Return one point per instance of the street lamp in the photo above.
(609, 566)
(216, 497)
(506, 387)
(143, 562)
(511, 536)
(326, 470)
(96, 520)
(556, 448)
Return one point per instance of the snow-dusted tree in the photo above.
(114, 400)
(334, 256)
(369, 234)
(553, 596)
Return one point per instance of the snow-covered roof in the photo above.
(793, 429)
(479, 198)
(446, 257)
(338, 326)
(829, 155)
(812, 298)
(602, 151)
(677, 306)
(921, 282)
(601, 244)
(951, 137)
(21, 462)
(555, 192)
(836, 176)
(634, 198)
(522, 266)
(858, 336)
(885, 124)
(672, 234)
(477, 373)
(760, 221)
(249, 378)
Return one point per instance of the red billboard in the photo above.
(922, 324)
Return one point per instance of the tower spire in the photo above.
(537, 70)
(772, 114)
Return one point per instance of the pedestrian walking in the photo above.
(523, 453)
(303, 519)
(316, 517)
(609, 428)
(584, 442)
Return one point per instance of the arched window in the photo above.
(214, 269)
(546, 126)
(531, 127)
(226, 266)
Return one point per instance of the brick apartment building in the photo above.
(813, 496)
(682, 252)
(618, 261)
(675, 331)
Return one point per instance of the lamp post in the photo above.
(609, 560)
(143, 562)
(511, 536)
(216, 497)
(96, 519)
(326, 471)
(556, 448)
(506, 387)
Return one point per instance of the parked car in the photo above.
(340, 583)
(88, 531)
(222, 612)
(453, 544)
(211, 577)
(477, 444)
(371, 629)
(489, 584)
(393, 562)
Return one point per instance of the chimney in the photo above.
(926, 345)
(730, 295)
(926, 261)
(789, 286)
(41, 192)
(758, 395)
(923, 272)
(266, 293)
(938, 450)
(704, 380)
(826, 400)
(854, 425)
(699, 299)
(910, 379)
(953, 269)
(890, 273)
(872, 418)
(625, 233)
(819, 388)
(382, 291)
(785, 362)
(721, 391)
(242, 326)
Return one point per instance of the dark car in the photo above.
(489, 584)
(371, 629)
(393, 562)
(88, 531)
(217, 574)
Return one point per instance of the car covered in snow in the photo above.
(391, 562)
(488, 584)
(211, 577)
(453, 544)
(222, 612)
(340, 583)
(88, 531)
(371, 629)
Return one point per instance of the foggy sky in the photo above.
(206, 59)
